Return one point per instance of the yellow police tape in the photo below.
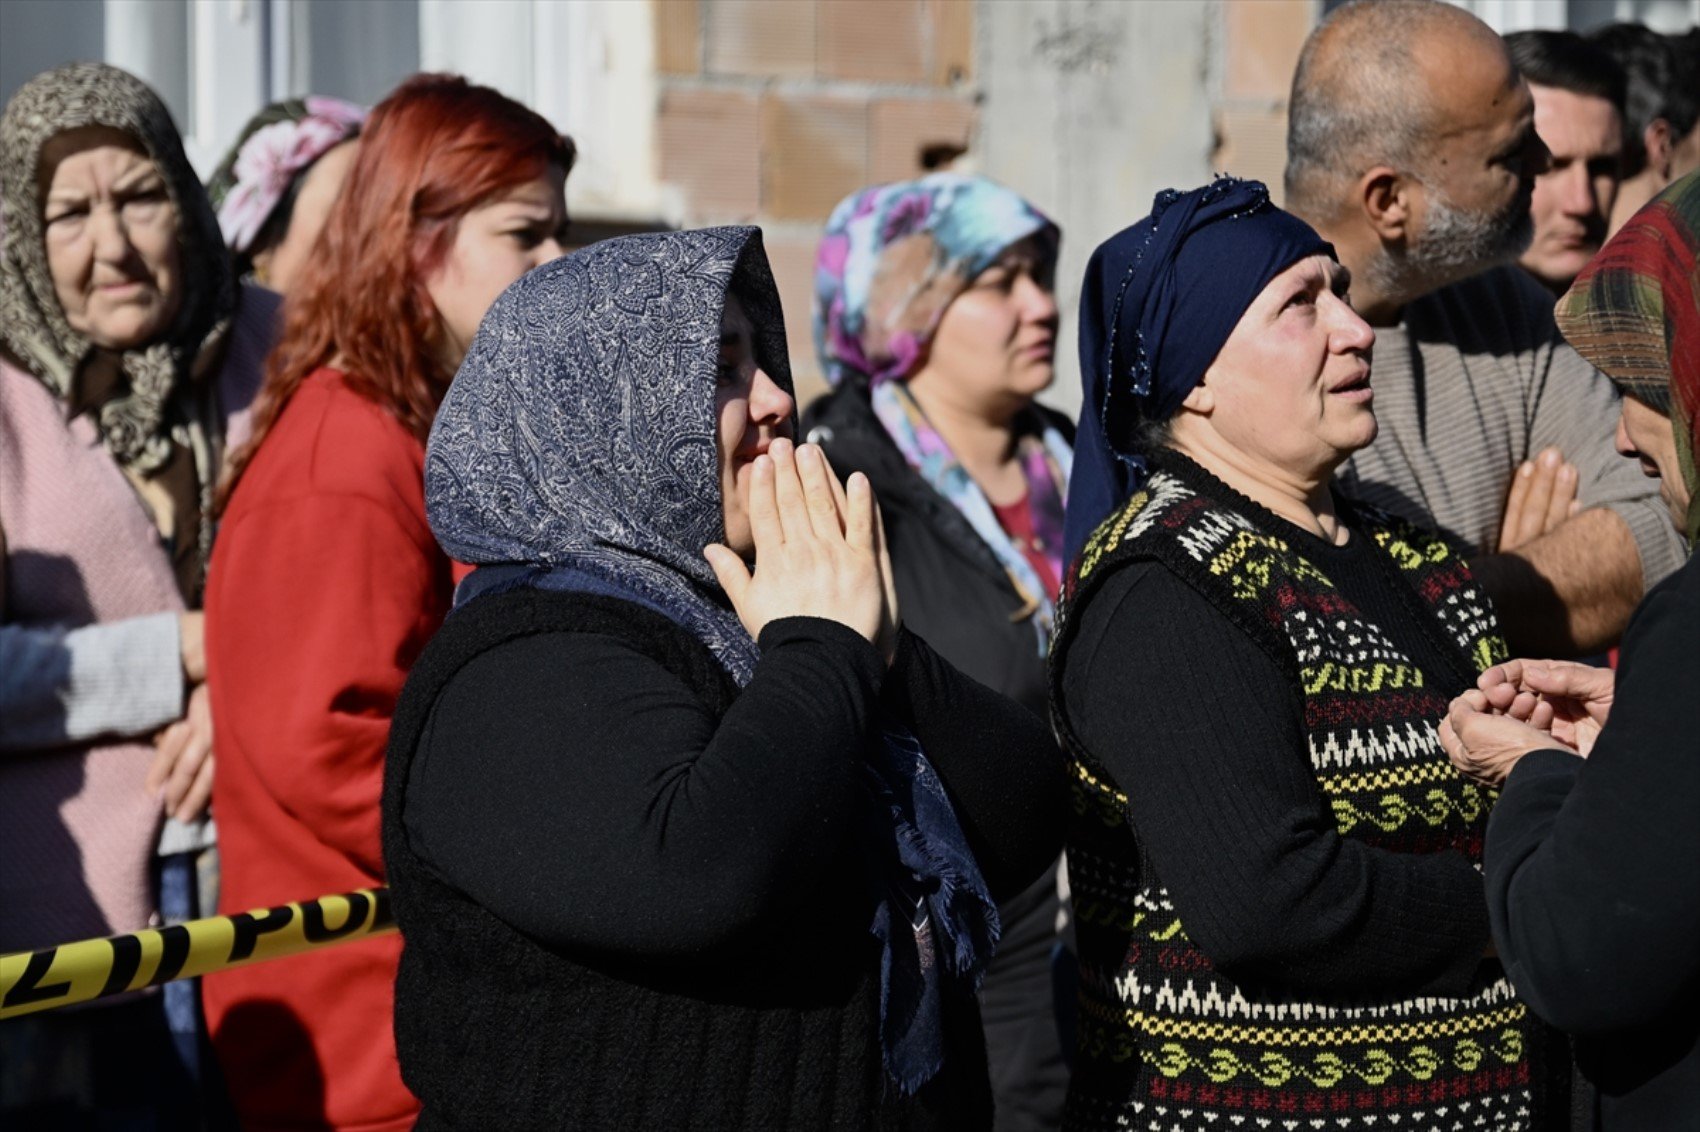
(94, 968)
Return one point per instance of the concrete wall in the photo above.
(772, 111)
(1090, 108)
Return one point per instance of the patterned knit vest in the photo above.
(1165, 1042)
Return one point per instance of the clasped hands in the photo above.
(820, 549)
(181, 773)
(1522, 706)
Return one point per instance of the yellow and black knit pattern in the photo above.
(1165, 1041)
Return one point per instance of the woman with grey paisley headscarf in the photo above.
(672, 844)
(128, 358)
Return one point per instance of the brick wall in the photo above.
(1261, 40)
(772, 111)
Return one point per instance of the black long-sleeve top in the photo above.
(1593, 877)
(633, 895)
(1207, 734)
(687, 831)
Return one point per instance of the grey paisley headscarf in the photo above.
(137, 427)
(579, 433)
(576, 450)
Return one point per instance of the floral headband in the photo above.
(281, 143)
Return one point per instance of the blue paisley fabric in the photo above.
(580, 431)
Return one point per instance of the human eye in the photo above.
(526, 237)
(144, 201)
(65, 214)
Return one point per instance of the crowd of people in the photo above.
(1296, 740)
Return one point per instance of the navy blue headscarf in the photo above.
(1159, 300)
(575, 452)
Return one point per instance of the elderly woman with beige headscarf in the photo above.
(1593, 852)
(128, 357)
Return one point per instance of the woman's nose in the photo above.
(1351, 332)
(109, 237)
(1620, 438)
(768, 402)
(547, 252)
(1038, 304)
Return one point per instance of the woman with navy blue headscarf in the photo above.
(1274, 868)
(672, 843)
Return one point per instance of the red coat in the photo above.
(325, 585)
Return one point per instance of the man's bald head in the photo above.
(1376, 83)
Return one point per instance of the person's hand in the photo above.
(1484, 745)
(1579, 696)
(810, 560)
(192, 649)
(182, 770)
(893, 620)
(1543, 495)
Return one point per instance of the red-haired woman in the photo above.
(327, 582)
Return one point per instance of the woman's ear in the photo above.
(1201, 398)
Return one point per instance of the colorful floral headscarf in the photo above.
(276, 148)
(894, 257)
(1634, 312)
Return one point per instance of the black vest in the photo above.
(1167, 1042)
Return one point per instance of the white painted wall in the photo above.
(587, 66)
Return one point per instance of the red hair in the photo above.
(431, 152)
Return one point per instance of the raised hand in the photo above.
(1542, 495)
(813, 559)
(887, 643)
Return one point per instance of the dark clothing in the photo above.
(957, 596)
(1593, 877)
(1271, 859)
(954, 593)
(1231, 818)
(633, 896)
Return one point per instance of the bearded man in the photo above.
(1412, 147)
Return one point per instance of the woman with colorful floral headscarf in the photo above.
(128, 359)
(275, 187)
(935, 322)
(1593, 852)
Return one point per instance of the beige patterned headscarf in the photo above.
(137, 426)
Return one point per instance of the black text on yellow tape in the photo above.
(94, 968)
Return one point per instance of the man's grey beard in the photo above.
(1454, 245)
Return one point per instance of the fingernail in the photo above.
(1549, 458)
(808, 452)
(1525, 469)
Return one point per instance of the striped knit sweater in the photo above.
(1475, 379)
(1166, 1041)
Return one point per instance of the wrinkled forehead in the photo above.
(81, 139)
